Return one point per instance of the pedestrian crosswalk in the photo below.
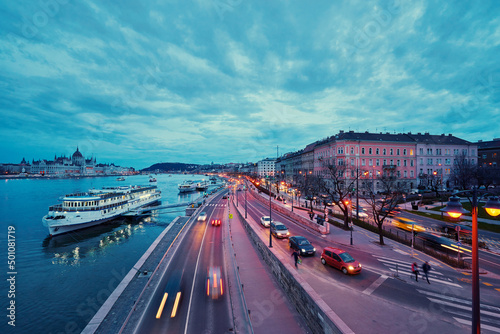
(217, 204)
(403, 269)
(461, 310)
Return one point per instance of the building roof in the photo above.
(77, 154)
(492, 144)
(442, 139)
(368, 136)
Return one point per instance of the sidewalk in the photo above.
(270, 310)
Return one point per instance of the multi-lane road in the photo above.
(191, 296)
(396, 301)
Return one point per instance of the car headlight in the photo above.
(351, 268)
(360, 265)
(287, 233)
(314, 249)
(303, 250)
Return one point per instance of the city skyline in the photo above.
(228, 81)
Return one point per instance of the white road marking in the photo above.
(374, 285)
(463, 301)
(483, 326)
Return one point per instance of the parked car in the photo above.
(216, 222)
(302, 245)
(265, 221)
(224, 197)
(202, 216)
(341, 260)
(279, 230)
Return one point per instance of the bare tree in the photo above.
(486, 176)
(381, 205)
(463, 173)
(435, 183)
(338, 185)
(310, 187)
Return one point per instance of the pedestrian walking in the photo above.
(414, 269)
(295, 255)
(426, 267)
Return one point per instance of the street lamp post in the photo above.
(246, 190)
(454, 209)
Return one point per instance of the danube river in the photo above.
(61, 282)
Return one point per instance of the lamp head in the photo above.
(454, 207)
(492, 206)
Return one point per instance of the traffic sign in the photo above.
(230, 216)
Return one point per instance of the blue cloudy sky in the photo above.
(228, 80)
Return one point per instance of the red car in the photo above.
(341, 260)
(216, 222)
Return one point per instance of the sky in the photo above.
(201, 81)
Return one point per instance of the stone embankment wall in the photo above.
(318, 315)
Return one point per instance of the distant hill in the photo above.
(170, 167)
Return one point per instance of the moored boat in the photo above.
(187, 186)
(81, 210)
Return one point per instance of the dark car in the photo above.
(441, 243)
(302, 245)
(224, 197)
(450, 228)
(390, 213)
(341, 260)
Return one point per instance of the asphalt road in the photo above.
(186, 276)
(386, 300)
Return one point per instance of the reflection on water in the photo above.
(75, 247)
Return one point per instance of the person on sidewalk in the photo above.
(414, 269)
(295, 255)
(426, 267)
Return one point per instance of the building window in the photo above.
(397, 151)
(391, 151)
(411, 152)
(377, 151)
(370, 150)
(421, 161)
(411, 163)
(341, 162)
(421, 171)
(384, 151)
(352, 150)
(404, 151)
(362, 150)
(411, 173)
(398, 162)
(392, 162)
(362, 162)
(421, 151)
(429, 161)
(404, 163)
(385, 162)
(399, 173)
(340, 150)
(378, 162)
(406, 173)
(352, 162)
(370, 162)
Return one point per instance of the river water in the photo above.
(61, 282)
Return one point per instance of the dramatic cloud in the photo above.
(229, 80)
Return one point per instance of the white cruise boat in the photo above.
(96, 206)
(202, 185)
(187, 186)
